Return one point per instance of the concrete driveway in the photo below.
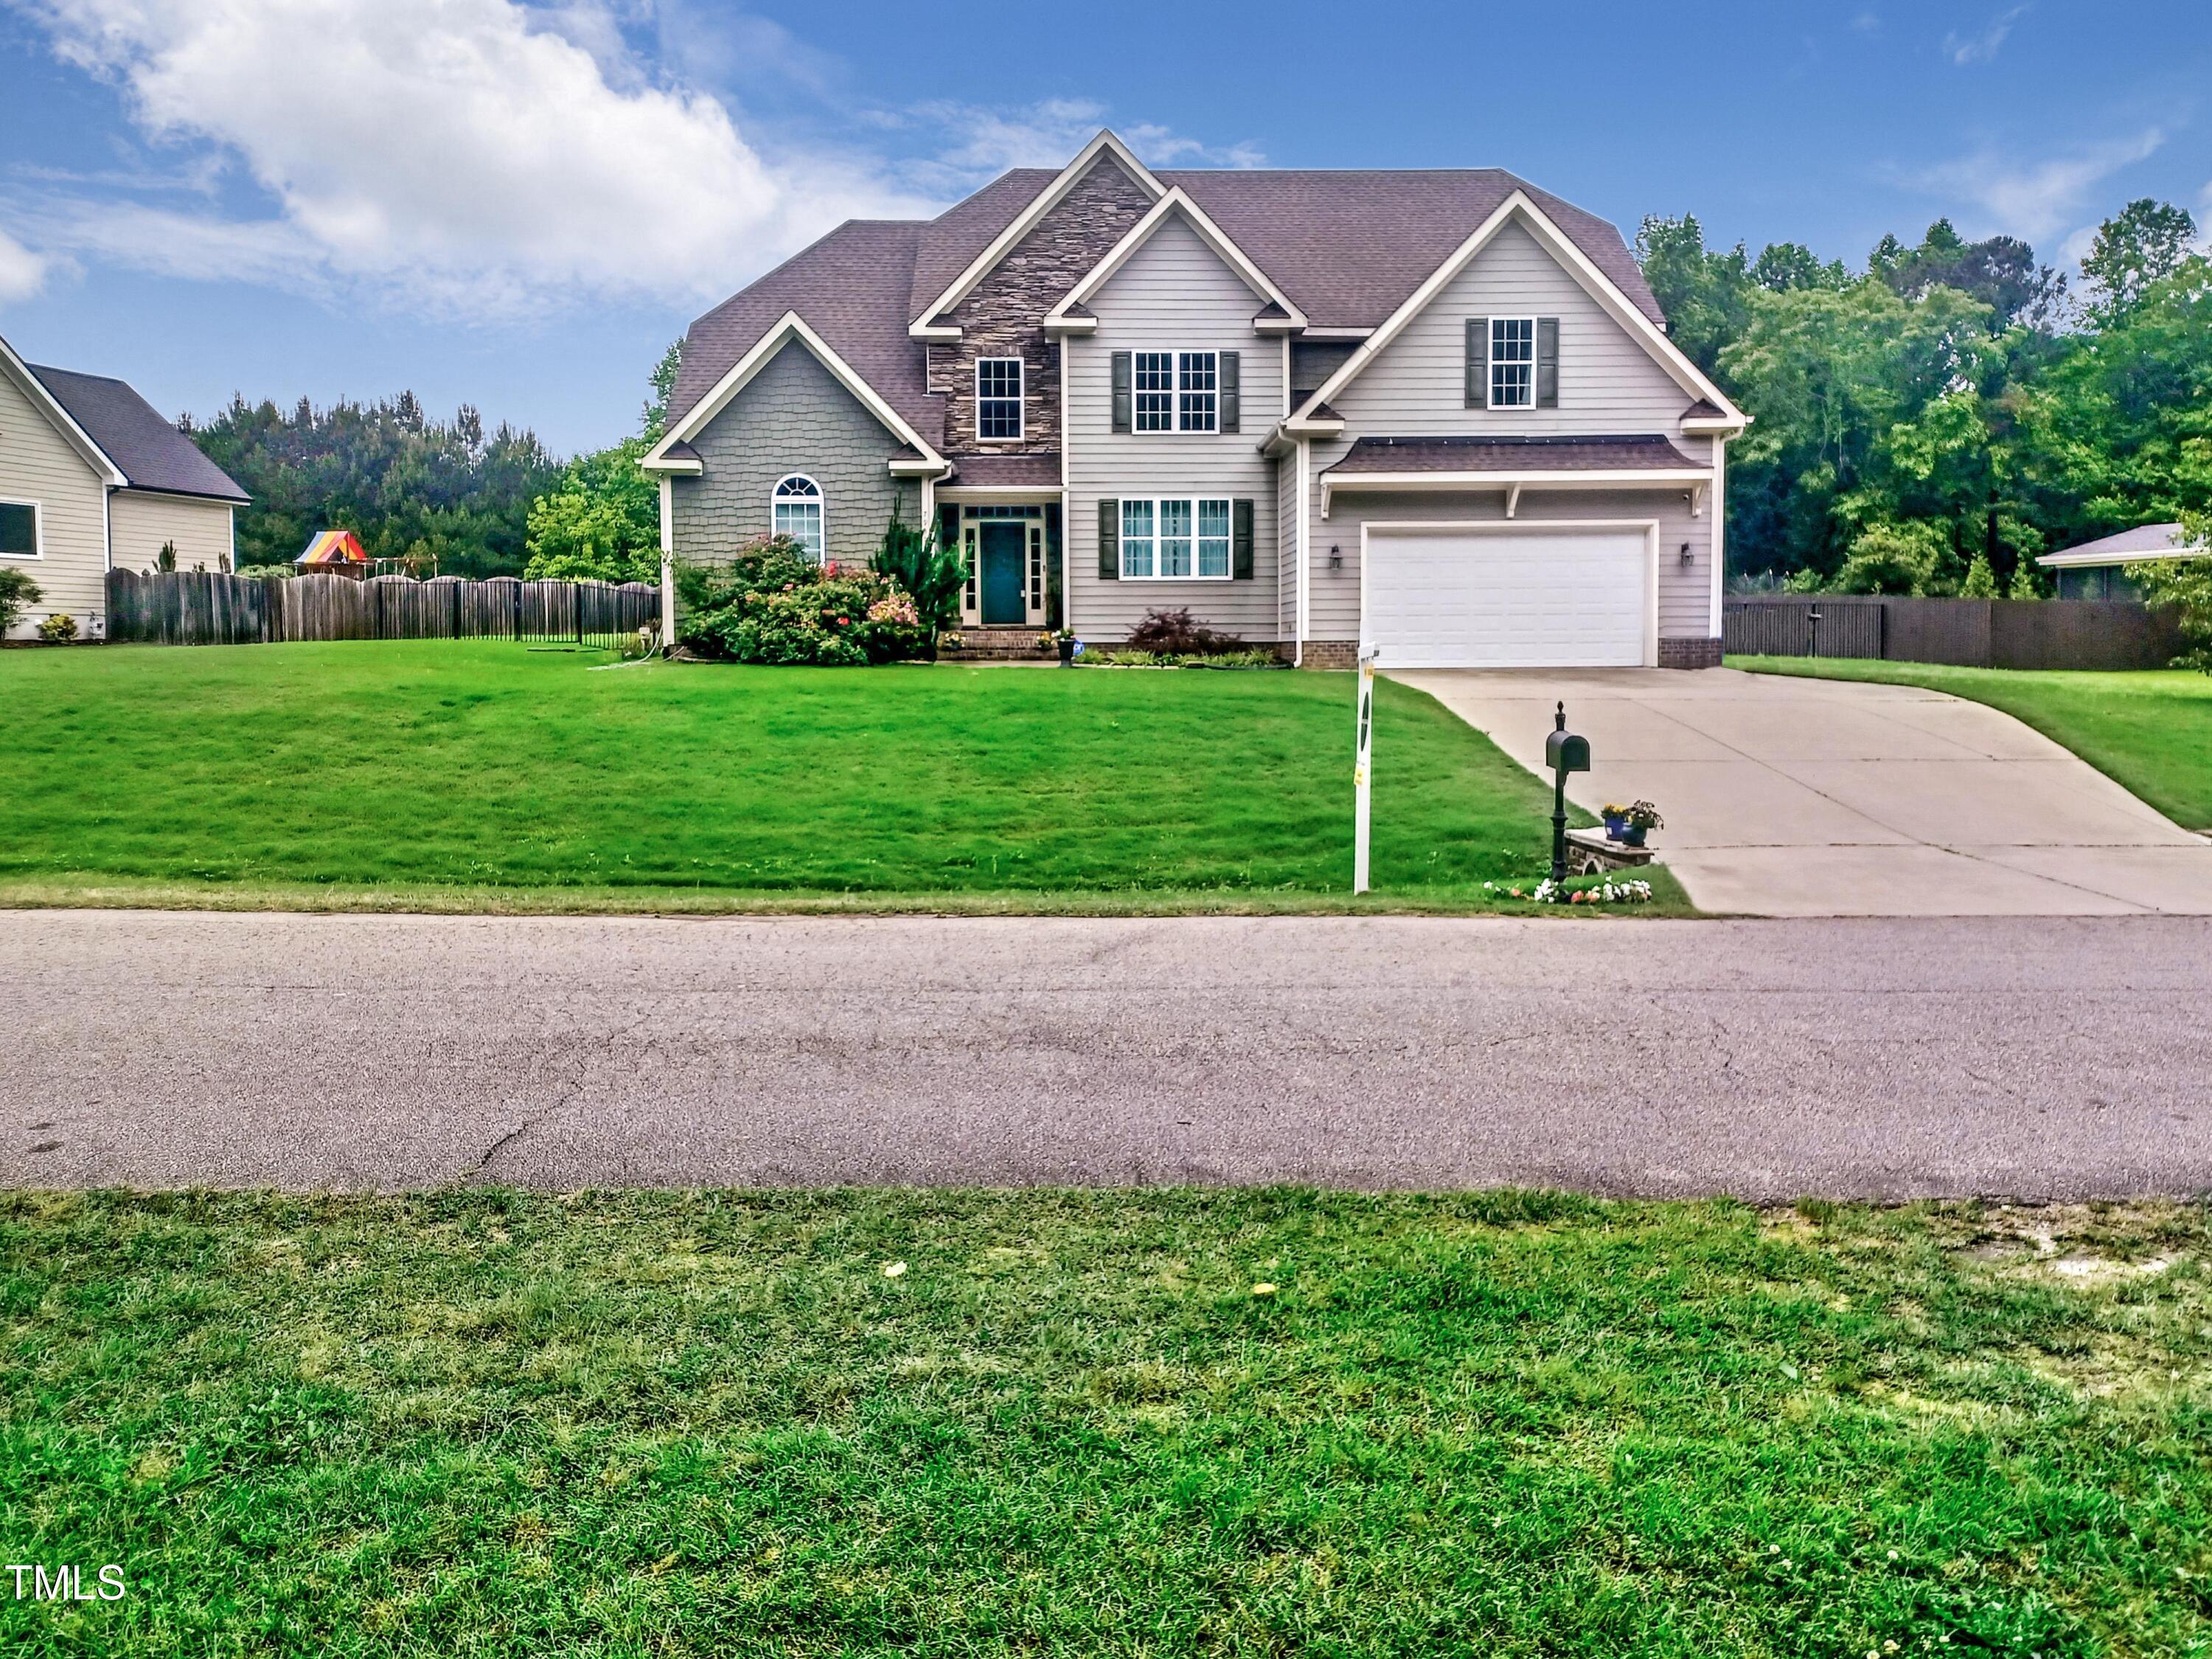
(1787, 797)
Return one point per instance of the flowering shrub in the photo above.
(1601, 889)
(771, 603)
(58, 629)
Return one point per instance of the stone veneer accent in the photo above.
(1004, 317)
(1689, 653)
(793, 416)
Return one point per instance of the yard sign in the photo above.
(1361, 771)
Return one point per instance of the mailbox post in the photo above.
(1566, 753)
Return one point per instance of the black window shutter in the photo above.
(1477, 362)
(948, 524)
(1547, 362)
(1124, 382)
(1110, 533)
(1241, 538)
(1233, 375)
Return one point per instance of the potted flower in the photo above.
(1068, 644)
(1616, 820)
(1638, 820)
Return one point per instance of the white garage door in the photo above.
(1577, 598)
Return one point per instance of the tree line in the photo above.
(1929, 423)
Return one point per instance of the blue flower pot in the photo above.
(1615, 827)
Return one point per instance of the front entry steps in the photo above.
(996, 645)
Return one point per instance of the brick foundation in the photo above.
(1325, 653)
(1689, 653)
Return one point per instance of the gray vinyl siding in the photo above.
(1608, 384)
(1173, 294)
(1685, 601)
(793, 416)
(38, 464)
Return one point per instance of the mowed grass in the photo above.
(2150, 732)
(492, 768)
(494, 1424)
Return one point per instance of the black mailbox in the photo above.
(1564, 752)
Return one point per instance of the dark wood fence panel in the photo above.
(2092, 634)
(193, 607)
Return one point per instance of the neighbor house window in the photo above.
(1177, 391)
(798, 504)
(18, 530)
(1178, 538)
(997, 397)
(1512, 363)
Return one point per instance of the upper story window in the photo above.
(1178, 392)
(796, 504)
(997, 397)
(1512, 363)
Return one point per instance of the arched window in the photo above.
(798, 506)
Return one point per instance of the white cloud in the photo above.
(22, 273)
(1963, 49)
(2035, 199)
(977, 144)
(472, 155)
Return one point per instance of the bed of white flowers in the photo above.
(1547, 892)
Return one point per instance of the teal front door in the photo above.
(1001, 554)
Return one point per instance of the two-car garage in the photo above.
(1505, 595)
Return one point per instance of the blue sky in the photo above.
(518, 206)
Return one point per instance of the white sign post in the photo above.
(1362, 769)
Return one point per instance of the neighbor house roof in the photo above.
(1348, 247)
(2145, 541)
(1636, 451)
(147, 449)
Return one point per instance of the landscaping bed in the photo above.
(2149, 732)
(482, 775)
(1111, 1423)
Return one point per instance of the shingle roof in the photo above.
(1041, 472)
(145, 446)
(1347, 247)
(1633, 452)
(2144, 541)
(851, 287)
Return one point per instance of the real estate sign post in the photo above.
(1360, 769)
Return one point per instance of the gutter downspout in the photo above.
(667, 564)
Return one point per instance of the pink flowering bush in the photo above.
(770, 603)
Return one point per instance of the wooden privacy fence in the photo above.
(1966, 632)
(195, 607)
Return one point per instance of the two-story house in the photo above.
(1433, 411)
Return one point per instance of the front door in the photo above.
(1001, 553)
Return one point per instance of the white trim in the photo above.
(1305, 551)
(819, 501)
(926, 326)
(1714, 541)
(667, 563)
(999, 495)
(688, 469)
(1512, 500)
(1021, 401)
(1526, 527)
(1209, 233)
(902, 468)
(1060, 326)
(1554, 241)
(1313, 333)
(1433, 482)
(79, 439)
(787, 328)
(1700, 426)
(38, 528)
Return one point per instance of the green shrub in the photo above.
(262, 573)
(18, 593)
(1125, 659)
(926, 568)
(771, 603)
(58, 629)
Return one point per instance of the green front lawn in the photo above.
(439, 773)
(491, 1424)
(2152, 732)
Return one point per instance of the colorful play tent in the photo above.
(337, 552)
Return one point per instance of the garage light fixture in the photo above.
(1335, 558)
(1687, 559)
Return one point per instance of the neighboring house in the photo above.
(94, 478)
(2097, 569)
(1437, 411)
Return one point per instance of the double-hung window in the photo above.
(997, 398)
(1177, 391)
(1176, 538)
(1512, 363)
(797, 505)
(18, 530)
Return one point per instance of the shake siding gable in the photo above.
(793, 416)
(1174, 293)
(38, 464)
(1607, 384)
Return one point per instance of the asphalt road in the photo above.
(2042, 1059)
